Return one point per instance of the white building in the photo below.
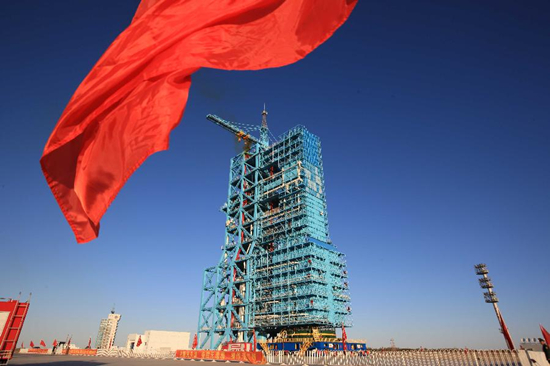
(530, 344)
(107, 331)
(158, 341)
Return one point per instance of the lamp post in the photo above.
(491, 298)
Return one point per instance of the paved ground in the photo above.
(59, 360)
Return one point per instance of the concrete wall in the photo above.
(158, 340)
(532, 358)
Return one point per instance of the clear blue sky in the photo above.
(434, 119)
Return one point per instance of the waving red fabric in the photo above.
(135, 95)
(545, 334)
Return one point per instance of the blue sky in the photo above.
(434, 120)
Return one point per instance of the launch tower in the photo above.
(279, 278)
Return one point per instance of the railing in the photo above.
(399, 358)
(376, 358)
(130, 354)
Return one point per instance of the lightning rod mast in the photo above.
(491, 298)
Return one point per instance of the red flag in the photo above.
(195, 342)
(90, 342)
(126, 107)
(138, 342)
(22, 345)
(545, 334)
(344, 337)
(42, 343)
(54, 343)
(32, 344)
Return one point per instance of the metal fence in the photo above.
(400, 358)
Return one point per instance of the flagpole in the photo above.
(254, 348)
(344, 338)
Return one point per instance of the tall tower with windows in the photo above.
(107, 331)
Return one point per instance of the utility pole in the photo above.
(491, 298)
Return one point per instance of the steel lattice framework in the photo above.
(279, 271)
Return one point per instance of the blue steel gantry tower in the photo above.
(279, 277)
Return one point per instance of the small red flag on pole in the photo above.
(344, 337)
(138, 342)
(54, 343)
(90, 343)
(32, 344)
(545, 334)
(42, 343)
(195, 342)
(22, 345)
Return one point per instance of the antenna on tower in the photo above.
(264, 117)
(264, 131)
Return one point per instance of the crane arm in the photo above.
(231, 128)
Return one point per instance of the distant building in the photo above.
(158, 341)
(107, 331)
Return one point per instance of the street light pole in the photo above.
(491, 297)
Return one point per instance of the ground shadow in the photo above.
(52, 361)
